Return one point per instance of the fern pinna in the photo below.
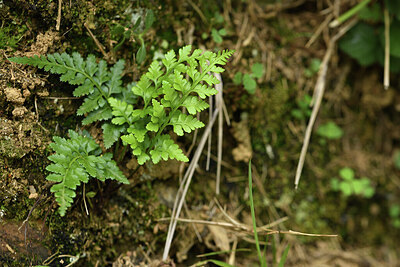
(76, 159)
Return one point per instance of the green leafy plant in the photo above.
(330, 130)
(165, 93)
(396, 159)
(313, 68)
(349, 185)
(303, 110)
(135, 28)
(140, 117)
(216, 34)
(11, 35)
(248, 80)
(394, 212)
(76, 160)
(261, 256)
(365, 42)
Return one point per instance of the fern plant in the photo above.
(166, 90)
(93, 79)
(177, 84)
(76, 160)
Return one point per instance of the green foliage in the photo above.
(303, 110)
(165, 93)
(11, 35)
(76, 160)
(218, 34)
(365, 42)
(330, 130)
(349, 185)
(313, 68)
(261, 257)
(248, 80)
(394, 212)
(94, 80)
(396, 159)
(123, 33)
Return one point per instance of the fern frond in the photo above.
(75, 161)
(94, 80)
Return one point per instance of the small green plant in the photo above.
(248, 80)
(394, 212)
(11, 35)
(330, 130)
(76, 160)
(349, 185)
(313, 68)
(136, 28)
(396, 159)
(216, 34)
(365, 42)
(303, 110)
(261, 256)
(140, 117)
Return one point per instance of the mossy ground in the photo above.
(122, 224)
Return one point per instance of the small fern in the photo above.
(166, 92)
(170, 87)
(76, 160)
(95, 81)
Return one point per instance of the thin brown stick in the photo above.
(386, 76)
(318, 95)
(59, 15)
(98, 44)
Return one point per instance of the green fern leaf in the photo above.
(165, 149)
(111, 133)
(203, 90)
(182, 122)
(115, 82)
(194, 105)
(169, 60)
(75, 161)
(122, 112)
(94, 80)
(104, 113)
(184, 53)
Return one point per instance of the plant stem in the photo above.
(354, 10)
(253, 218)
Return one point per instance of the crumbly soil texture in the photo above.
(269, 86)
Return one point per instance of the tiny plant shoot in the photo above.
(141, 116)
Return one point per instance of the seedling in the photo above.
(122, 33)
(365, 42)
(330, 130)
(349, 185)
(248, 80)
(394, 213)
(303, 110)
(313, 68)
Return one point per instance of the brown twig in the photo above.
(386, 76)
(317, 99)
(59, 15)
(98, 44)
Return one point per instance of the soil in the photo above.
(127, 225)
